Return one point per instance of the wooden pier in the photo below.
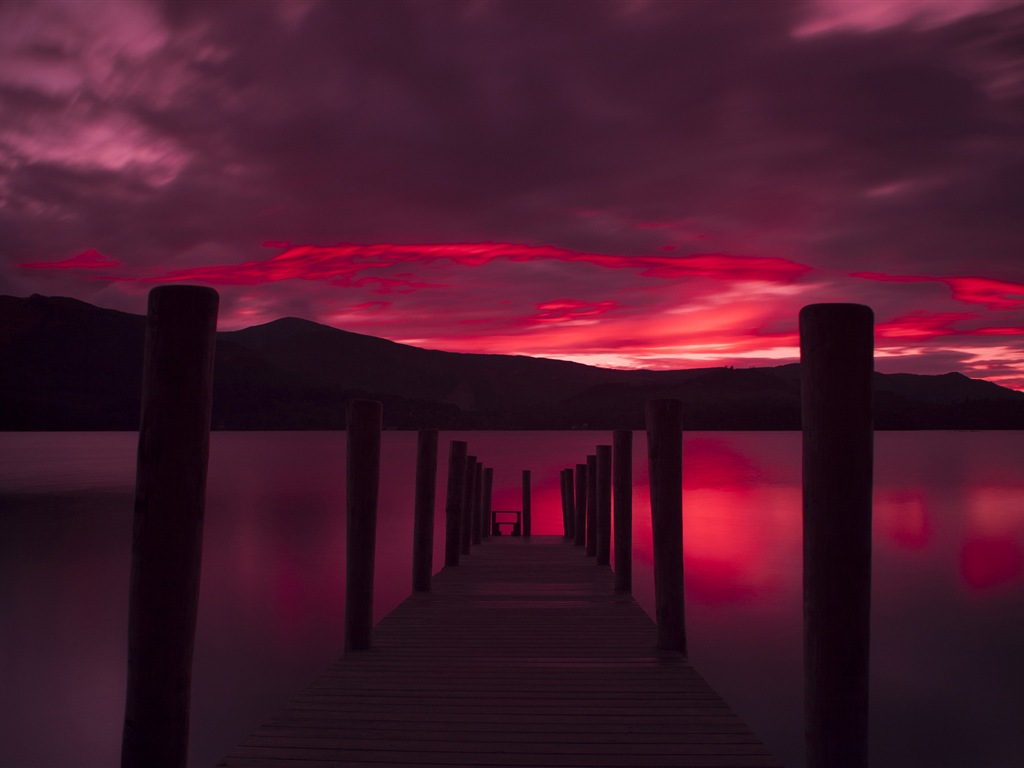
(523, 655)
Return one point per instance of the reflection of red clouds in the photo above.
(291, 598)
(714, 581)
(713, 463)
(902, 516)
(723, 556)
(993, 294)
(730, 534)
(987, 562)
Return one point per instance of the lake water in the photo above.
(947, 680)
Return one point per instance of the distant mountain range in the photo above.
(68, 365)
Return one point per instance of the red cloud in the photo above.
(922, 326)
(562, 310)
(90, 259)
(919, 326)
(992, 294)
(345, 263)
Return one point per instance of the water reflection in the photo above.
(948, 591)
(901, 516)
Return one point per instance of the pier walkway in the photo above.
(521, 656)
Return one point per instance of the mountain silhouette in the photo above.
(68, 365)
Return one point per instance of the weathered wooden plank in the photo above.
(266, 759)
(523, 655)
(268, 734)
(552, 747)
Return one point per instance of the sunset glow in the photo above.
(627, 184)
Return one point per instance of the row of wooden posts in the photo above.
(590, 492)
(837, 363)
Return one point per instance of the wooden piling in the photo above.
(468, 495)
(604, 504)
(485, 512)
(478, 498)
(423, 523)
(580, 531)
(665, 461)
(592, 505)
(836, 360)
(362, 484)
(622, 463)
(527, 513)
(453, 502)
(567, 506)
(167, 532)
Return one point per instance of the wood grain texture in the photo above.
(523, 655)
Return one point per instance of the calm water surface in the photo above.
(948, 593)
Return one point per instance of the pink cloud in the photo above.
(90, 259)
(341, 264)
(992, 294)
(567, 310)
(918, 326)
(825, 16)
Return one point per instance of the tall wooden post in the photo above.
(836, 361)
(478, 501)
(423, 522)
(665, 461)
(592, 505)
(468, 495)
(485, 512)
(527, 512)
(604, 504)
(167, 532)
(362, 481)
(622, 462)
(453, 502)
(580, 532)
(567, 503)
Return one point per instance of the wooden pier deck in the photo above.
(521, 656)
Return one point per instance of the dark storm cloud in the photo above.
(471, 120)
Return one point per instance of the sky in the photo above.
(625, 183)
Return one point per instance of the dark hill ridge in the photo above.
(69, 365)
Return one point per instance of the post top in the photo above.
(837, 311)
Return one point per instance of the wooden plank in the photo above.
(523, 655)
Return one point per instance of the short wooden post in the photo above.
(580, 531)
(468, 495)
(478, 501)
(665, 461)
(527, 513)
(167, 532)
(362, 483)
(622, 463)
(485, 512)
(453, 502)
(592, 505)
(423, 522)
(604, 504)
(836, 359)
